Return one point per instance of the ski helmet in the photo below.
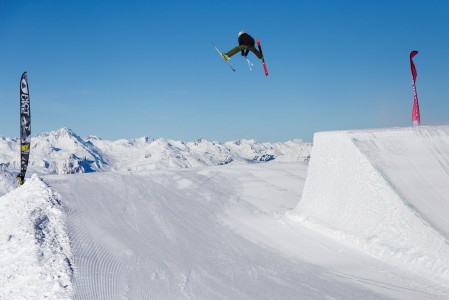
(242, 32)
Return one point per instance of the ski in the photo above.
(227, 62)
(263, 59)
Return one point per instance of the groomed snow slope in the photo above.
(214, 233)
(384, 191)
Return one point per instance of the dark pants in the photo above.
(243, 47)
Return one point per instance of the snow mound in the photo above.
(385, 191)
(36, 260)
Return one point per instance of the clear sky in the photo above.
(124, 69)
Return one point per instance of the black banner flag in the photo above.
(25, 127)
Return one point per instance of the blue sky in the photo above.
(123, 69)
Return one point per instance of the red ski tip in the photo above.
(265, 68)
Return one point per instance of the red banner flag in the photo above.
(415, 113)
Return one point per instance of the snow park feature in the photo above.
(385, 192)
(365, 218)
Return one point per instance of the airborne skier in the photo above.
(246, 43)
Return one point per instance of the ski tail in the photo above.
(263, 58)
(219, 52)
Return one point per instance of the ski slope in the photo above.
(385, 192)
(357, 222)
(214, 232)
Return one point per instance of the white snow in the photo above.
(56, 152)
(36, 259)
(385, 192)
(64, 152)
(8, 182)
(181, 224)
(213, 232)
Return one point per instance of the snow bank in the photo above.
(386, 191)
(36, 260)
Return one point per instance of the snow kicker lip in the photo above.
(384, 191)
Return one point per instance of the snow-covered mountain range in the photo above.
(64, 152)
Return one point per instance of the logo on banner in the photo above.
(24, 86)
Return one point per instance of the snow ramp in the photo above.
(385, 191)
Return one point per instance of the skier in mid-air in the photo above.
(246, 43)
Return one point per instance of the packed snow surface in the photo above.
(213, 233)
(384, 191)
(362, 226)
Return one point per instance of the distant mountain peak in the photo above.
(63, 152)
